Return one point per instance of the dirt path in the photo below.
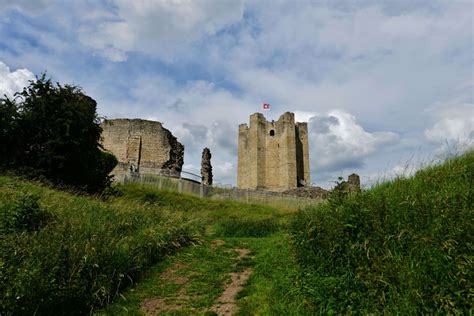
(227, 302)
(183, 296)
(158, 305)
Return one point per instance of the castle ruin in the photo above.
(142, 146)
(273, 155)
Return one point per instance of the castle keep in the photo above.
(142, 146)
(273, 155)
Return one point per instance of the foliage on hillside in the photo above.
(66, 254)
(53, 131)
(403, 247)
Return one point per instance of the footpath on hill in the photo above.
(220, 276)
(241, 266)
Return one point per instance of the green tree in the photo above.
(8, 129)
(53, 131)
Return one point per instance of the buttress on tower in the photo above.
(273, 155)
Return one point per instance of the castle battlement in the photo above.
(273, 155)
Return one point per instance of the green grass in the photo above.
(91, 250)
(271, 290)
(273, 287)
(403, 247)
(205, 271)
(86, 255)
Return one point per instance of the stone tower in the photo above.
(273, 155)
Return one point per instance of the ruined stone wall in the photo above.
(273, 155)
(206, 167)
(142, 146)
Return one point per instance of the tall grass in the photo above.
(89, 250)
(85, 255)
(403, 247)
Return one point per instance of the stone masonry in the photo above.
(142, 146)
(206, 167)
(273, 156)
(353, 183)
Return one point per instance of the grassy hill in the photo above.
(405, 246)
(63, 253)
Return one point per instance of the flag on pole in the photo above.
(266, 106)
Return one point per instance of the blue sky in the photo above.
(383, 84)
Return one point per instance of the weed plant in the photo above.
(403, 247)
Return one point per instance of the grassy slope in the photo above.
(86, 254)
(402, 247)
(405, 246)
(271, 288)
(92, 250)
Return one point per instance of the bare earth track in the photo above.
(181, 300)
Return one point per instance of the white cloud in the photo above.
(13, 81)
(158, 27)
(337, 141)
(454, 130)
(453, 121)
(224, 172)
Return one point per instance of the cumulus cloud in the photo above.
(338, 141)
(192, 135)
(13, 81)
(454, 130)
(225, 172)
(158, 27)
(453, 121)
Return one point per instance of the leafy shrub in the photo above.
(403, 247)
(25, 214)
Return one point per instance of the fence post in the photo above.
(201, 190)
(247, 195)
(180, 186)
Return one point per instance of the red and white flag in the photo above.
(266, 106)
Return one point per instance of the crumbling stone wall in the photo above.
(142, 146)
(206, 167)
(273, 155)
(352, 184)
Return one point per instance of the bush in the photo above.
(25, 214)
(403, 247)
(53, 131)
